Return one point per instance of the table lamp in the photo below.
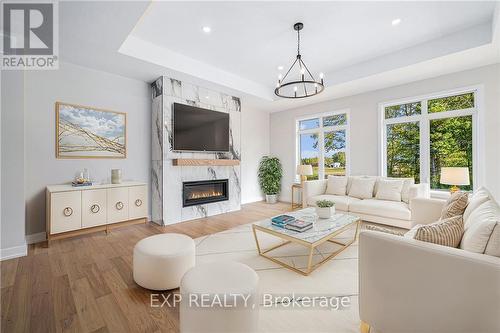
(304, 170)
(454, 176)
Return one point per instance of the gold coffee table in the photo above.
(323, 230)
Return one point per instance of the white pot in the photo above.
(325, 212)
(271, 198)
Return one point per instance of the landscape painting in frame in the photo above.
(87, 132)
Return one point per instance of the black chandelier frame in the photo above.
(304, 81)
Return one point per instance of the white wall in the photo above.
(364, 124)
(79, 85)
(12, 242)
(254, 145)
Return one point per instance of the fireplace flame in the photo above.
(205, 194)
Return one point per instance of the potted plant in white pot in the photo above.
(270, 174)
(325, 208)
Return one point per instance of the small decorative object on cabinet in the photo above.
(73, 211)
(325, 208)
(116, 176)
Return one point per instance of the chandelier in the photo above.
(298, 81)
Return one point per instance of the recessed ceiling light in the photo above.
(396, 21)
(206, 29)
(280, 68)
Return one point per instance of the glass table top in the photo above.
(320, 229)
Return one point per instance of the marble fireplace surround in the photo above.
(167, 177)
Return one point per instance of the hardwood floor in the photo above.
(85, 284)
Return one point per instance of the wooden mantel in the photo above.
(203, 162)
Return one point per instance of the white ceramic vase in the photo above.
(325, 212)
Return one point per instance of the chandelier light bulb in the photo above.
(295, 88)
(321, 75)
(280, 77)
(302, 71)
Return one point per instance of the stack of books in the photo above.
(291, 223)
(299, 225)
(282, 220)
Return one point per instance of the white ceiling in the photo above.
(353, 43)
(251, 39)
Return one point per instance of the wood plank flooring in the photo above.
(85, 284)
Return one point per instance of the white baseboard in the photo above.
(13, 252)
(36, 238)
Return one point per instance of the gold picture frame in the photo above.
(89, 132)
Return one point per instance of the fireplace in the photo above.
(205, 191)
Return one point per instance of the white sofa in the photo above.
(406, 285)
(396, 213)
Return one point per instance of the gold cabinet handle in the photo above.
(119, 205)
(68, 211)
(138, 202)
(95, 208)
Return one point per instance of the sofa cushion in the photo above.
(405, 191)
(455, 205)
(342, 202)
(479, 197)
(362, 188)
(337, 185)
(382, 208)
(388, 189)
(480, 226)
(446, 232)
(493, 246)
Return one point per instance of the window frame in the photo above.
(424, 123)
(321, 139)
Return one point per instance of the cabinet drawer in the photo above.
(93, 208)
(117, 204)
(138, 199)
(65, 211)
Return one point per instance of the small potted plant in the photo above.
(325, 208)
(270, 174)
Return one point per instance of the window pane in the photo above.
(403, 150)
(309, 124)
(403, 110)
(309, 152)
(338, 119)
(458, 102)
(451, 146)
(335, 145)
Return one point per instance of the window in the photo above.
(421, 136)
(322, 141)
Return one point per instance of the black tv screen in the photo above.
(197, 129)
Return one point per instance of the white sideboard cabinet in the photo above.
(76, 210)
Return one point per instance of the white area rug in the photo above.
(336, 278)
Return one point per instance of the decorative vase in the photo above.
(116, 176)
(271, 198)
(325, 212)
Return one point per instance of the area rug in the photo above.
(336, 280)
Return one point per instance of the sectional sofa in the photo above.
(402, 204)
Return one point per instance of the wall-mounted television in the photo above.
(198, 129)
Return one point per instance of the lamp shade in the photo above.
(454, 176)
(304, 170)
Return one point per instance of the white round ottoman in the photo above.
(160, 261)
(219, 297)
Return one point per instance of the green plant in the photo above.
(270, 174)
(325, 203)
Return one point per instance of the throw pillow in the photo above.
(493, 246)
(447, 232)
(482, 221)
(362, 188)
(384, 230)
(389, 190)
(479, 197)
(337, 185)
(455, 205)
